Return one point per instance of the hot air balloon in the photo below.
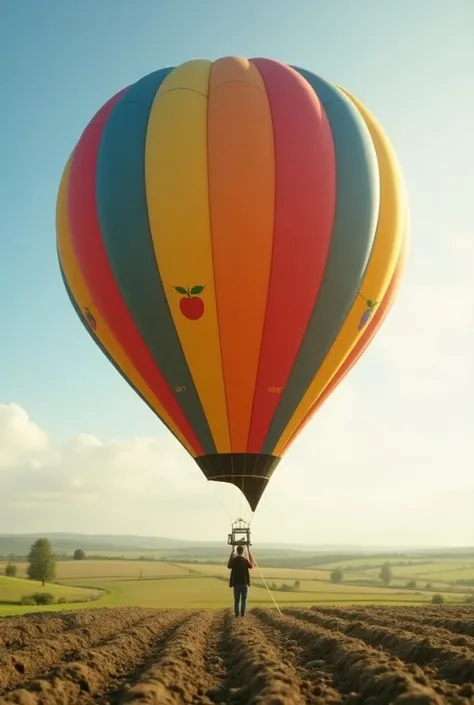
(232, 234)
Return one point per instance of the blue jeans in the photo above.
(240, 596)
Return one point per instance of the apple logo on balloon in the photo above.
(191, 305)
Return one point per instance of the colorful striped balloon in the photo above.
(232, 234)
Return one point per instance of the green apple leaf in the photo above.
(180, 290)
(196, 290)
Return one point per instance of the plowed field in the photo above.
(356, 656)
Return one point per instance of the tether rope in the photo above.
(266, 585)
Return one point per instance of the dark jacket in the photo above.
(239, 571)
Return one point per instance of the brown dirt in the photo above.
(341, 656)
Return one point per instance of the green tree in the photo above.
(411, 585)
(437, 599)
(79, 554)
(385, 574)
(297, 584)
(41, 561)
(337, 576)
(11, 570)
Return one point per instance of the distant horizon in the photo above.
(310, 546)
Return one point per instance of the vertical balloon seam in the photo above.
(213, 268)
(379, 239)
(108, 301)
(283, 445)
(264, 403)
(262, 333)
(388, 170)
(277, 449)
(123, 209)
(374, 241)
(354, 227)
(327, 259)
(178, 121)
(257, 458)
(272, 259)
(81, 295)
(131, 98)
(272, 255)
(385, 251)
(242, 207)
(207, 447)
(97, 341)
(241, 461)
(72, 156)
(370, 333)
(322, 277)
(325, 265)
(77, 147)
(255, 62)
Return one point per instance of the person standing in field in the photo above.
(240, 566)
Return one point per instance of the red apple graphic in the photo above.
(191, 306)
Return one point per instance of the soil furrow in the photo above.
(357, 667)
(318, 656)
(456, 626)
(20, 666)
(451, 663)
(401, 622)
(455, 620)
(316, 680)
(179, 674)
(259, 675)
(219, 685)
(94, 670)
(18, 632)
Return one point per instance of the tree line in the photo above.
(41, 561)
(385, 575)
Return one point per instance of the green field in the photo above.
(440, 573)
(204, 585)
(13, 589)
(70, 570)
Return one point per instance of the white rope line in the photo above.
(223, 507)
(266, 585)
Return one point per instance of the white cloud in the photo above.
(20, 438)
(389, 459)
(138, 486)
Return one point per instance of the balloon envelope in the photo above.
(232, 234)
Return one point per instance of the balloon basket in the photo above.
(240, 534)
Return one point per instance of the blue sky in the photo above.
(411, 63)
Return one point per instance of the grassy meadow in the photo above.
(13, 589)
(199, 584)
